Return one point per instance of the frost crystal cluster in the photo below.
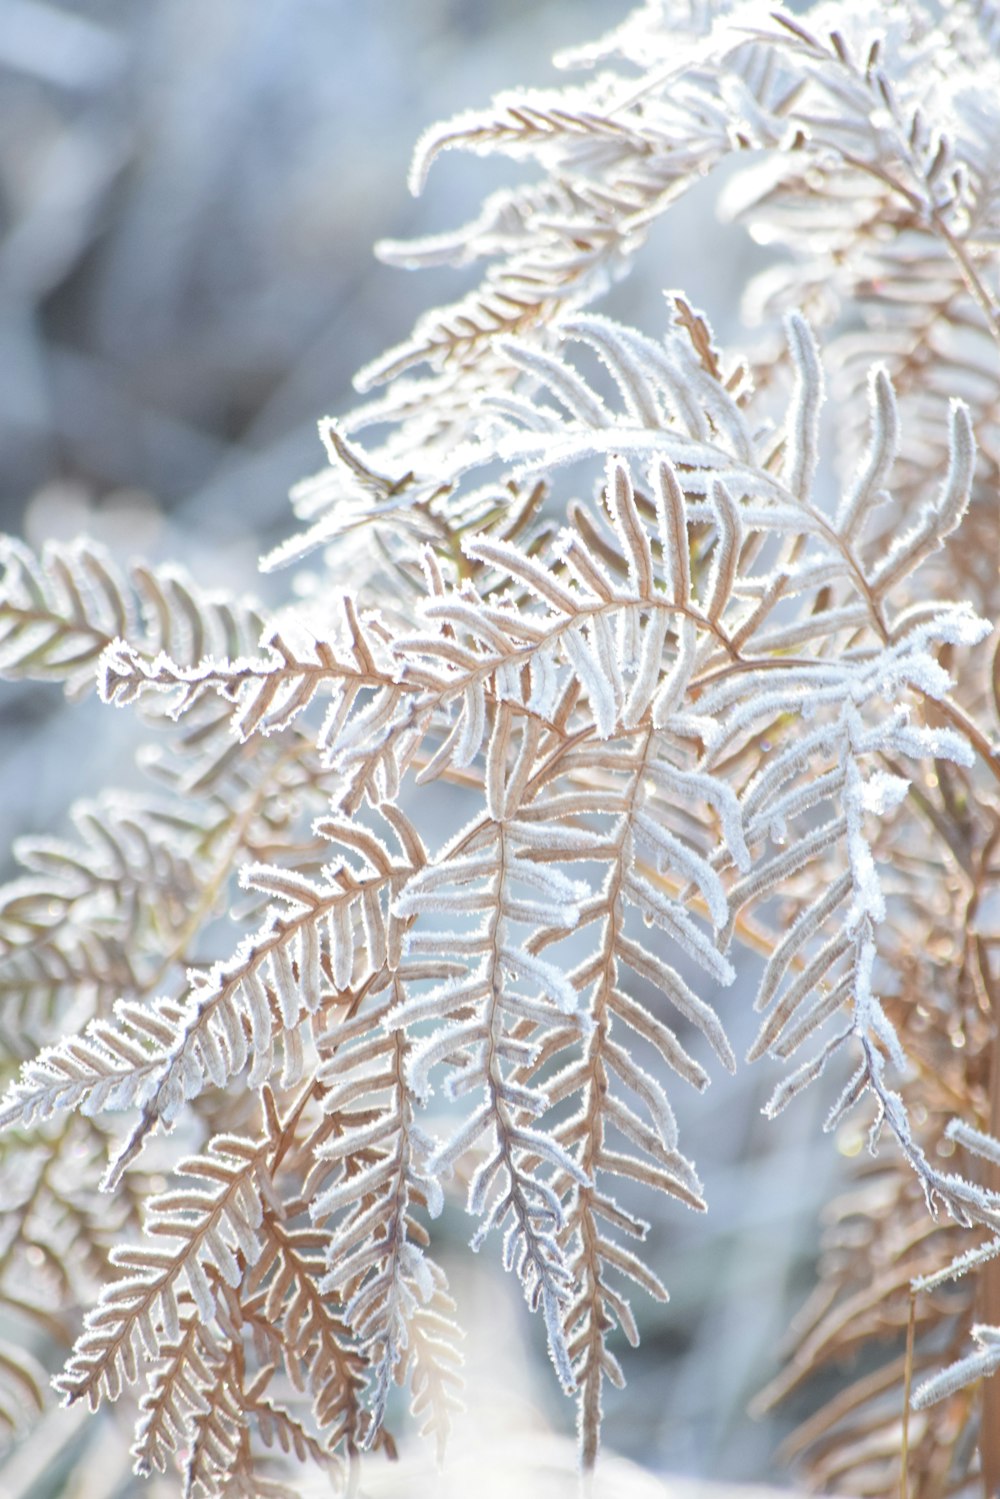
(698, 640)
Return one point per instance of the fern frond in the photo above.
(208, 1225)
(316, 1345)
(376, 1266)
(177, 1393)
(59, 611)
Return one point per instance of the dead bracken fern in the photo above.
(700, 681)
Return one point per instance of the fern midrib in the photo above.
(594, 1140)
(495, 1082)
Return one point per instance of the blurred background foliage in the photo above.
(189, 193)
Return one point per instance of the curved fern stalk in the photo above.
(479, 877)
(523, 124)
(878, 129)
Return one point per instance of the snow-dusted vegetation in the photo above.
(612, 661)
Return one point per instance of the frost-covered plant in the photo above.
(697, 688)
